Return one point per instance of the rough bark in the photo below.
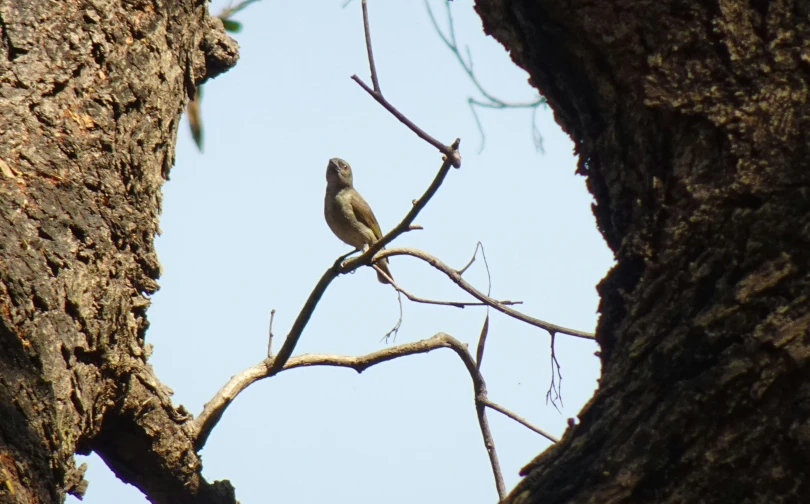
(91, 92)
(692, 124)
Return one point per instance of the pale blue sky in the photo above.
(243, 232)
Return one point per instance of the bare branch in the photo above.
(481, 393)
(517, 418)
(394, 330)
(212, 413)
(272, 365)
(352, 264)
(555, 388)
(417, 299)
(490, 101)
(467, 66)
(453, 274)
(275, 364)
(479, 245)
(489, 444)
(486, 266)
(452, 157)
(374, 79)
(472, 260)
(300, 323)
(214, 409)
(449, 152)
(482, 339)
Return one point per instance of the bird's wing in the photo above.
(364, 214)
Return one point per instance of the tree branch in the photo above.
(491, 102)
(472, 260)
(450, 152)
(518, 419)
(417, 299)
(372, 67)
(454, 275)
(482, 340)
(554, 392)
(214, 408)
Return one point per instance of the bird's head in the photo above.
(338, 173)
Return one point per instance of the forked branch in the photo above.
(417, 299)
(216, 406)
(214, 409)
(283, 360)
(450, 152)
(457, 278)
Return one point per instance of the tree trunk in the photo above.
(91, 93)
(692, 124)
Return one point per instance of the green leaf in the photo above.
(232, 26)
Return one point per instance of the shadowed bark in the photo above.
(692, 124)
(91, 93)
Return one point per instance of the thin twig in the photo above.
(486, 267)
(417, 299)
(555, 389)
(374, 78)
(453, 274)
(471, 102)
(482, 339)
(452, 154)
(270, 334)
(394, 330)
(472, 260)
(491, 102)
(452, 44)
(537, 137)
(517, 418)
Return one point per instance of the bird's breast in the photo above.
(341, 219)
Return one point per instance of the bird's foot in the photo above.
(339, 260)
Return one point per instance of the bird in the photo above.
(347, 213)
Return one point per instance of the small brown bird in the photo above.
(347, 213)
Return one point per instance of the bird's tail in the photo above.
(383, 265)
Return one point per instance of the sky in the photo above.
(243, 233)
